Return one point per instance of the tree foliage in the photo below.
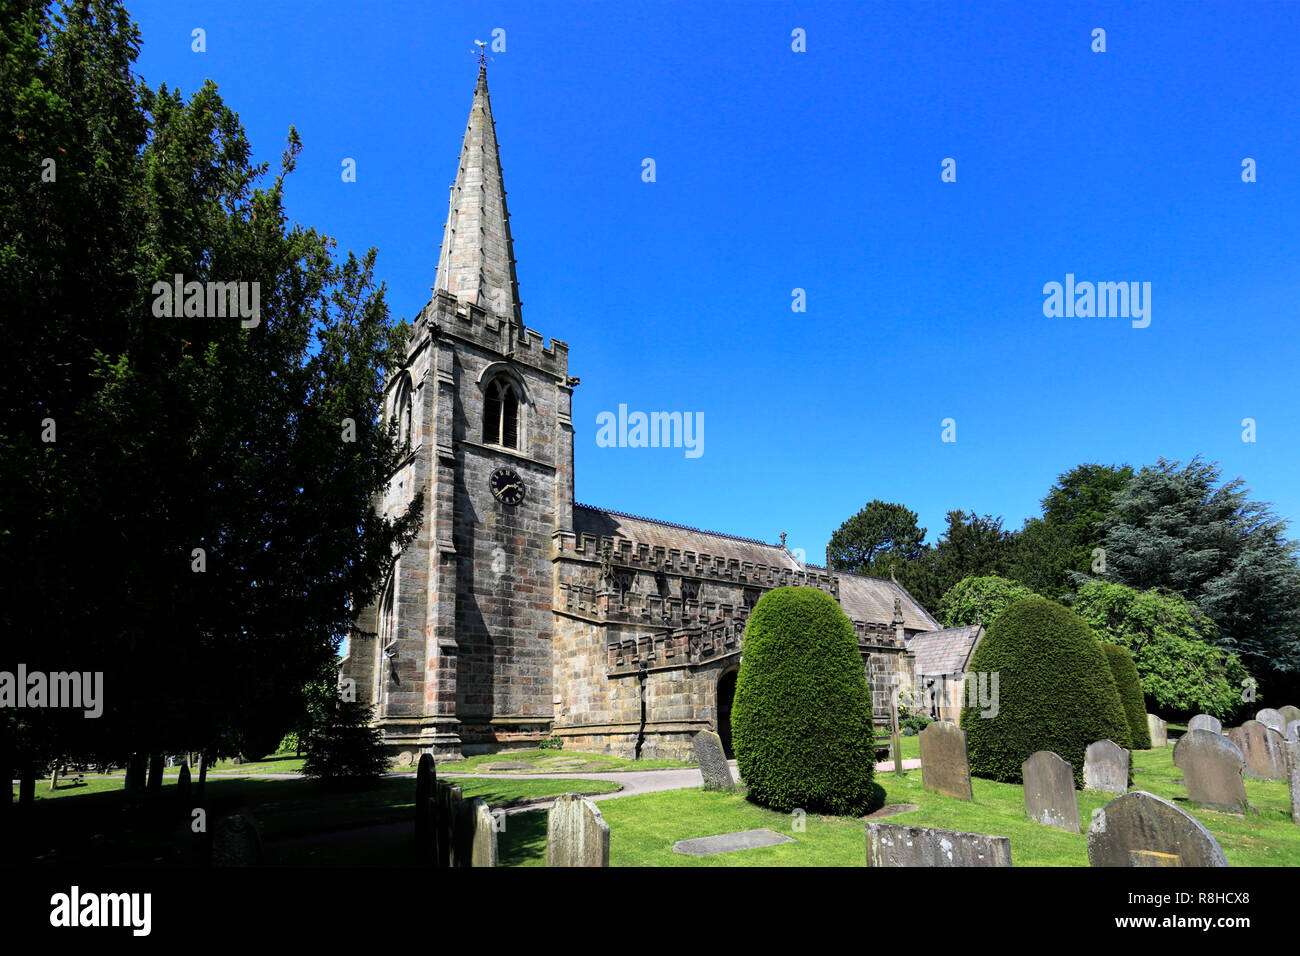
(1173, 646)
(200, 530)
(1055, 692)
(978, 600)
(1130, 694)
(801, 721)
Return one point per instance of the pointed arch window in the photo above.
(501, 414)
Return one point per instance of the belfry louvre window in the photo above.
(501, 415)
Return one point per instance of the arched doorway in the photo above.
(726, 693)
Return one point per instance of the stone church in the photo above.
(518, 615)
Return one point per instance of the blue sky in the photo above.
(778, 170)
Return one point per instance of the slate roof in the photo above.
(863, 598)
(944, 652)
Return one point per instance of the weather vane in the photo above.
(481, 52)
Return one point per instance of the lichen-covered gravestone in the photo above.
(713, 762)
(945, 764)
(1105, 767)
(1272, 718)
(484, 849)
(1264, 749)
(1143, 821)
(1205, 722)
(236, 841)
(1049, 791)
(576, 833)
(1159, 731)
(1293, 730)
(890, 844)
(1212, 767)
(1290, 712)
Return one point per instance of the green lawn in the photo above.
(644, 828)
(559, 761)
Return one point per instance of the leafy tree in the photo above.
(1130, 694)
(802, 720)
(1055, 692)
(881, 534)
(1172, 643)
(978, 600)
(202, 492)
(1179, 528)
(1047, 549)
(346, 750)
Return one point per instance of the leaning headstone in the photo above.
(1105, 767)
(945, 765)
(713, 762)
(1143, 821)
(1212, 766)
(1264, 749)
(1049, 791)
(576, 833)
(483, 833)
(235, 840)
(426, 776)
(1272, 718)
(1293, 778)
(1293, 730)
(1205, 722)
(1159, 731)
(889, 844)
(1290, 712)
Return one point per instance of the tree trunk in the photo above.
(203, 774)
(155, 773)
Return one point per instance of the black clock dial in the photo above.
(507, 487)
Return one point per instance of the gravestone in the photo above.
(1205, 722)
(446, 800)
(1212, 767)
(713, 762)
(1293, 730)
(945, 766)
(426, 778)
(1264, 749)
(1272, 718)
(235, 840)
(483, 851)
(1293, 778)
(1290, 712)
(1049, 791)
(576, 833)
(1143, 821)
(731, 842)
(889, 844)
(1105, 767)
(1159, 731)
(183, 788)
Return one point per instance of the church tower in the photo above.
(457, 655)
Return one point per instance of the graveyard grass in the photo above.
(644, 828)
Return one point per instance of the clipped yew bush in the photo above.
(801, 720)
(1055, 691)
(1125, 672)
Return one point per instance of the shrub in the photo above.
(1055, 691)
(551, 743)
(346, 749)
(974, 600)
(911, 723)
(801, 721)
(1130, 694)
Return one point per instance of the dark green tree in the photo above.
(978, 600)
(1130, 694)
(802, 722)
(881, 534)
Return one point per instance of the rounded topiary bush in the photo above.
(801, 720)
(1125, 672)
(1055, 691)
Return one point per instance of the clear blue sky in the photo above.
(779, 170)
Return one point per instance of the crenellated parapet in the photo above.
(446, 315)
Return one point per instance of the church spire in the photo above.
(477, 261)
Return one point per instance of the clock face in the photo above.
(507, 487)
